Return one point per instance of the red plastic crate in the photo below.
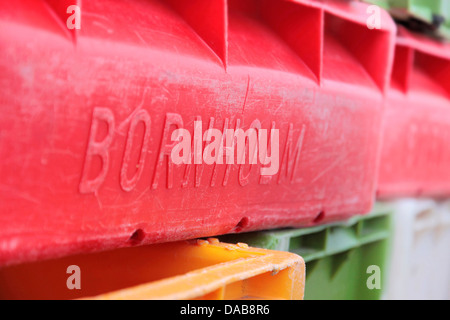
(87, 115)
(415, 157)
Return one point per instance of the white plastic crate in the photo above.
(420, 255)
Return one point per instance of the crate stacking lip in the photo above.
(196, 269)
(339, 257)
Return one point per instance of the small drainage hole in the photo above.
(319, 217)
(241, 225)
(137, 236)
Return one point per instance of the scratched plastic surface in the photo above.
(415, 157)
(87, 116)
(202, 269)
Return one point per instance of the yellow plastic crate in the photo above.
(201, 269)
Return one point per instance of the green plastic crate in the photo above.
(337, 256)
(434, 13)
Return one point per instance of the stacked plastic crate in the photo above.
(88, 118)
(413, 237)
(414, 165)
